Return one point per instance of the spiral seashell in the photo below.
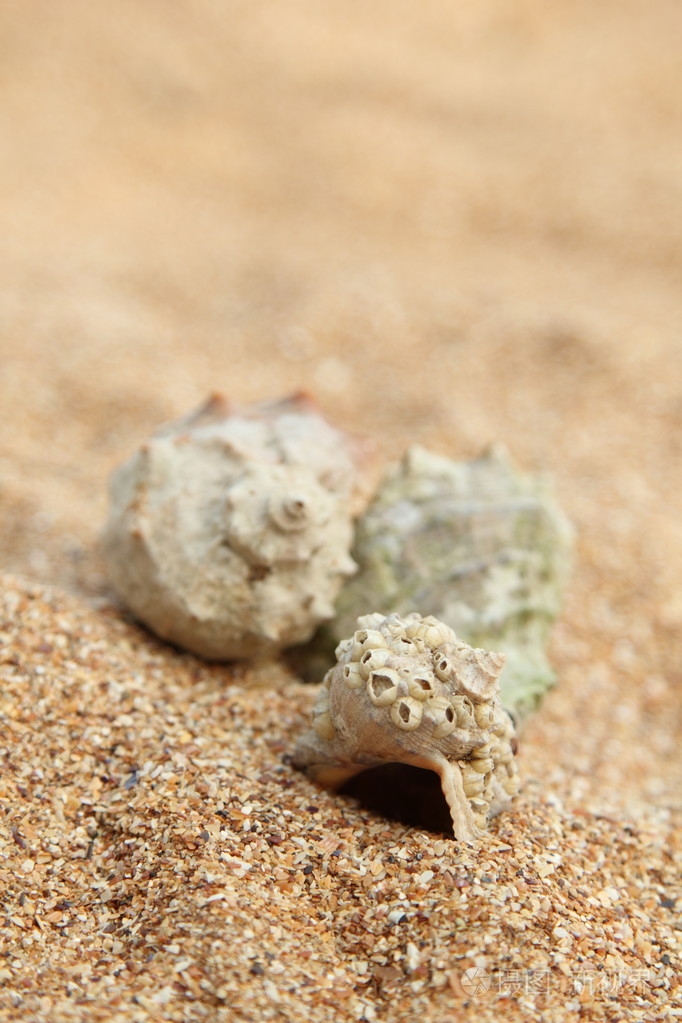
(390, 699)
(229, 531)
(291, 512)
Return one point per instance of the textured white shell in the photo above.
(406, 690)
(229, 531)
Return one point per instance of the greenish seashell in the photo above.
(481, 546)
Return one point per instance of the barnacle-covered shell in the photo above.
(480, 546)
(229, 531)
(429, 704)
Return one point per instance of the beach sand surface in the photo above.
(453, 227)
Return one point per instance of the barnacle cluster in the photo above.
(407, 690)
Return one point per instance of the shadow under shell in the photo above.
(400, 792)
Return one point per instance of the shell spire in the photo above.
(406, 690)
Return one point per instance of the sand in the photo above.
(452, 227)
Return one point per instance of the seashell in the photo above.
(229, 531)
(480, 546)
(407, 713)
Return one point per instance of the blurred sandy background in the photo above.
(451, 223)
